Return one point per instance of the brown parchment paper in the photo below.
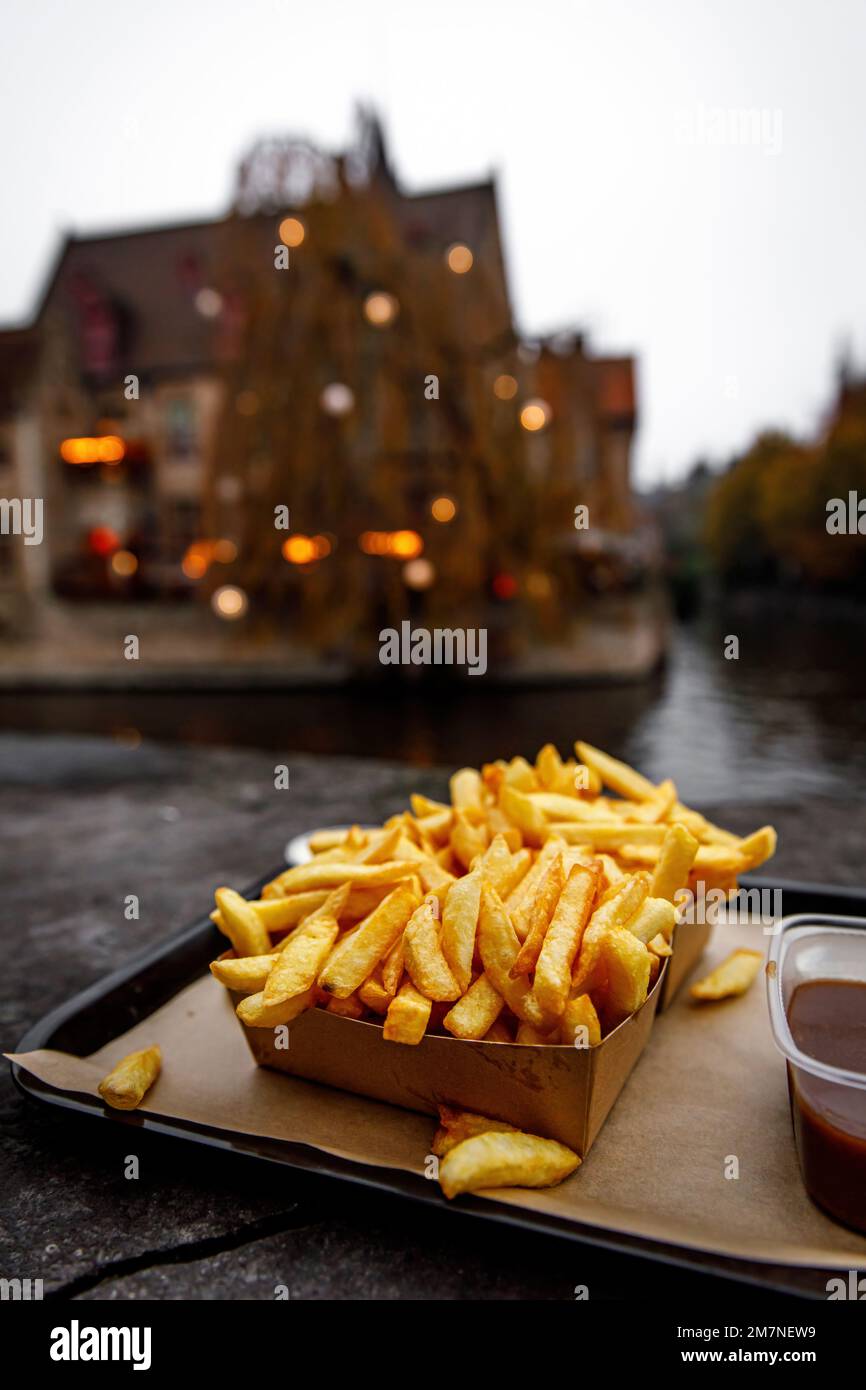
(709, 1087)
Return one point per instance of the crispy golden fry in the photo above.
(499, 1031)
(459, 926)
(522, 810)
(622, 905)
(374, 996)
(732, 977)
(495, 863)
(528, 885)
(658, 806)
(579, 1025)
(468, 841)
(619, 776)
(350, 1007)
(565, 808)
(611, 873)
(425, 962)
(407, 1016)
(255, 1013)
(327, 839)
(423, 806)
(380, 848)
(548, 768)
(562, 942)
(298, 964)
(678, 851)
(353, 959)
(275, 914)
(655, 967)
(713, 861)
(498, 946)
(519, 774)
(533, 919)
(509, 1159)
(531, 1036)
(457, 1125)
(660, 946)
(246, 976)
(499, 824)
(474, 1015)
(392, 967)
(246, 933)
(466, 790)
(314, 875)
(607, 834)
(655, 916)
(436, 827)
(627, 972)
(759, 847)
(131, 1078)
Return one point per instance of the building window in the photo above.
(180, 428)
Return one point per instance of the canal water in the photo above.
(786, 718)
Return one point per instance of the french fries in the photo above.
(504, 1158)
(734, 976)
(536, 907)
(128, 1082)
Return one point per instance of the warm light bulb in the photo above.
(380, 308)
(292, 231)
(459, 258)
(443, 509)
(124, 563)
(418, 574)
(229, 602)
(535, 415)
(505, 387)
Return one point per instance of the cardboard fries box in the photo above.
(563, 1093)
(689, 941)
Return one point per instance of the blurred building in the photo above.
(334, 346)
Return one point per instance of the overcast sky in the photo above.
(729, 256)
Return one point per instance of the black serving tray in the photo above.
(119, 1000)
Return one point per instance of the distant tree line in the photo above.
(787, 511)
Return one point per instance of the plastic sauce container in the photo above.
(816, 986)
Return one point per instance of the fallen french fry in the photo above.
(504, 1159)
(131, 1078)
(457, 1125)
(733, 977)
